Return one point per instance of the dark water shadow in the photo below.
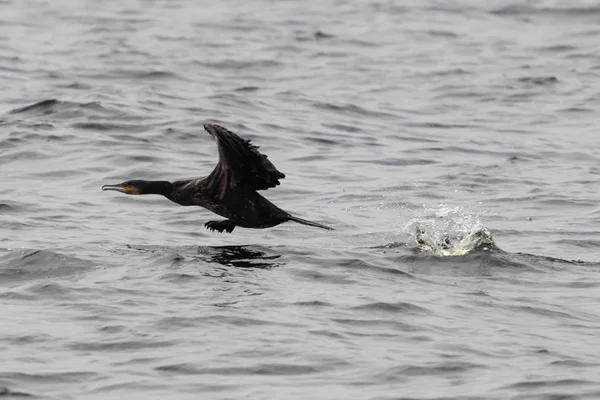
(6, 393)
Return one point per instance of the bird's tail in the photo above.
(309, 223)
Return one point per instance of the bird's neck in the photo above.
(164, 188)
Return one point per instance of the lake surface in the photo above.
(453, 146)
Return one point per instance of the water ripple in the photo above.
(453, 146)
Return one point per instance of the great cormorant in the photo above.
(230, 190)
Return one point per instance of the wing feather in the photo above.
(240, 163)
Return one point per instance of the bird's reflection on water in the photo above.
(239, 256)
(246, 256)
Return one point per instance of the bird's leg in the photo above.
(226, 225)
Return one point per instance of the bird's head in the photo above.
(141, 187)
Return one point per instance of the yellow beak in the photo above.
(119, 188)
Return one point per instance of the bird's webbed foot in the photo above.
(220, 226)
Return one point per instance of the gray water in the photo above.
(452, 145)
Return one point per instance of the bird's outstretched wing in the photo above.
(240, 163)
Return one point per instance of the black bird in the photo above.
(230, 190)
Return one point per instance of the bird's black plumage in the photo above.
(231, 188)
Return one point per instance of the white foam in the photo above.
(449, 231)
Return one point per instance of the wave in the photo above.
(51, 106)
(529, 10)
(28, 264)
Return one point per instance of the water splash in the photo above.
(449, 231)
